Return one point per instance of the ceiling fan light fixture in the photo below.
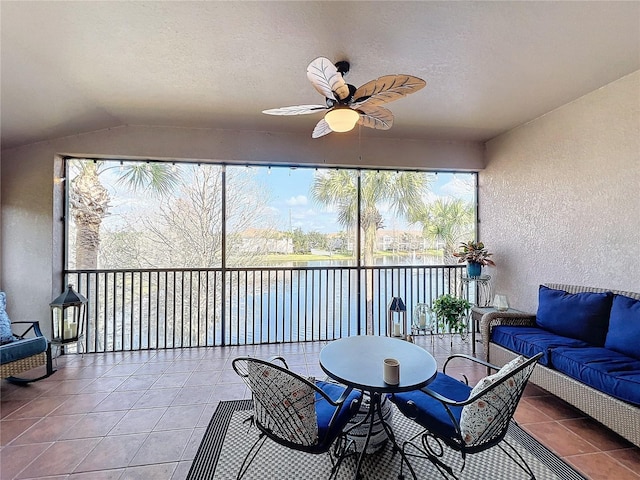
(342, 119)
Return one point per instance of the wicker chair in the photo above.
(21, 348)
(464, 419)
(296, 412)
(29, 350)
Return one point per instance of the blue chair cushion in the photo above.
(624, 326)
(584, 316)
(529, 341)
(20, 349)
(324, 410)
(429, 412)
(6, 335)
(606, 370)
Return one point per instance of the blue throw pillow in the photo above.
(624, 326)
(584, 316)
(6, 335)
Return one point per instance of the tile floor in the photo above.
(141, 415)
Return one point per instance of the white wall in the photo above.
(560, 197)
(31, 242)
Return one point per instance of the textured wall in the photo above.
(560, 197)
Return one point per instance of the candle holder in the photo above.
(501, 303)
(422, 320)
(397, 318)
(68, 318)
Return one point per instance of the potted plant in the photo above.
(452, 313)
(476, 256)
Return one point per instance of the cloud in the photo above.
(297, 201)
(460, 186)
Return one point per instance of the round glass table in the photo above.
(358, 362)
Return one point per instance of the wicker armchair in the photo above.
(464, 419)
(29, 350)
(21, 349)
(295, 411)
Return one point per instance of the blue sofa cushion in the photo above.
(324, 410)
(624, 326)
(429, 412)
(6, 335)
(605, 370)
(20, 349)
(584, 316)
(530, 341)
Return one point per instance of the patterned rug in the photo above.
(228, 439)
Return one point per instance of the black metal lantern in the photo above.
(397, 320)
(68, 317)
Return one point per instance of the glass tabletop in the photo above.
(357, 362)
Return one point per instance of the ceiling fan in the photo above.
(347, 105)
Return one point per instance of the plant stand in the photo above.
(461, 329)
(483, 289)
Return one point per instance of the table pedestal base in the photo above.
(374, 412)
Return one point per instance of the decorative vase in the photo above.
(474, 269)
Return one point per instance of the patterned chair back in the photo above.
(284, 402)
(486, 419)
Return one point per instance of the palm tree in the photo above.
(89, 199)
(447, 220)
(402, 191)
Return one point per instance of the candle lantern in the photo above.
(422, 320)
(68, 317)
(397, 319)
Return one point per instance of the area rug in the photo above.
(229, 437)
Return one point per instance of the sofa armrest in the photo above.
(491, 319)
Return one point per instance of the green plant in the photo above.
(474, 252)
(451, 312)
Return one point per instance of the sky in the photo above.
(291, 201)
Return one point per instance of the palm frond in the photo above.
(156, 178)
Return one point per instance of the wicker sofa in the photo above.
(622, 416)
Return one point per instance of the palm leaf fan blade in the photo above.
(375, 117)
(322, 129)
(387, 89)
(295, 110)
(326, 79)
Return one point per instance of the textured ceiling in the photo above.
(71, 67)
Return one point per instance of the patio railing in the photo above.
(175, 308)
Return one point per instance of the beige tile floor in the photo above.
(141, 415)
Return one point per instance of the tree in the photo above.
(185, 229)
(401, 192)
(448, 221)
(90, 200)
(300, 241)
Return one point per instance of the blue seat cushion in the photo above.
(324, 410)
(20, 349)
(624, 326)
(429, 412)
(6, 335)
(606, 370)
(584, 316)
(529, 341)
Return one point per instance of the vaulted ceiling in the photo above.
(73, 67)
